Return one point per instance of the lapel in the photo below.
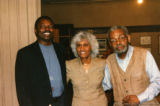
(39, 73)
(61, 59)
(39, 58)
(38, 54)
(58, 53)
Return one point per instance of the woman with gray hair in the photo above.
(86, 71)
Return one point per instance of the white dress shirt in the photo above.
(151, 68)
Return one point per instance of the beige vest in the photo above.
(132, 82)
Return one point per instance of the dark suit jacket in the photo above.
(32, 79)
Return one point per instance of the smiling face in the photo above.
(44, 32)
(83, 48)
(119, 41)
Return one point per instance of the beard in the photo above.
(119, 52)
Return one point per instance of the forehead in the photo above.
(45, 21)
(116, 32)
(83, 41)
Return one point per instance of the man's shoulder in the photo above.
(140, 49)
(111, 56)
(58, 46)
(28, 47)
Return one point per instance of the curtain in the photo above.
(17, 18)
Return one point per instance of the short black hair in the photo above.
(41, 18)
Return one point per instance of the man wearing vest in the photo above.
(131, 71)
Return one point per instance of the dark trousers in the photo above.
(58, 101)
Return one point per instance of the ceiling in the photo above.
(73, 1)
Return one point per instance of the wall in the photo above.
(114, 12)
(120, 12)
(154, 46)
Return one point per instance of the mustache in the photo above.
(119, 45)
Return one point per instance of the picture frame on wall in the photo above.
(102, 44)
(145, 40)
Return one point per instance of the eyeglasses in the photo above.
(120, 39)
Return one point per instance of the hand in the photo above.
(131, 100)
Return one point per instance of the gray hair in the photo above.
(117, 27)
(91, 39)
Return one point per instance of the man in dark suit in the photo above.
(40, 69)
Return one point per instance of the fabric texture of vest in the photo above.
(132, 82)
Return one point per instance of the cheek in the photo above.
(89, 51)
(125, 43)
(77, 49)
(40, 32)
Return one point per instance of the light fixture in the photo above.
(140, 1)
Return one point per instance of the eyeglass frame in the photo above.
(121, 38)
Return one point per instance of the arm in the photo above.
(67, 72)
(106, 81)
(69, 87)
(22, 83)
(154, 87)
